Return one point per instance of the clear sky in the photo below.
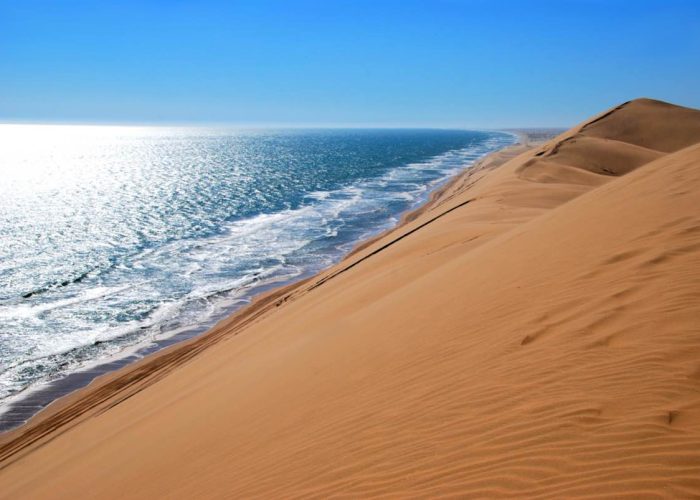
(457, 63)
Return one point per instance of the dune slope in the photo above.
(535, 331)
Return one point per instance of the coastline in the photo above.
(535, 334)
(447, 190)
(37, 403)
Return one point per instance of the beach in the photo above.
(532, 330)
(190, 225)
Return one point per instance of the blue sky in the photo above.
(454, 63)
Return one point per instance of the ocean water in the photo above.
(115, 237)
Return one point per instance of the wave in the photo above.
(190, 283)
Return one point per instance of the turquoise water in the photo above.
(114, 237)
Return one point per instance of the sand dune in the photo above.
(535, 331)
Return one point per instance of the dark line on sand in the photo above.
(387, 245)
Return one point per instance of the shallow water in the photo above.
(112, 237)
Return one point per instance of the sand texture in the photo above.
(534, 331)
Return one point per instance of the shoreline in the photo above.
(48, 398)
(532, 331)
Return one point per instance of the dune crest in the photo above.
(534, 331)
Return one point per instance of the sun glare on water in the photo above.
(41, 158)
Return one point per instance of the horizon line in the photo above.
(273, 125)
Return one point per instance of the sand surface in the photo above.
(535, 331)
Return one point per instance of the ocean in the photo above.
(115, 239)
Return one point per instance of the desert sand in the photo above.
(534, 331)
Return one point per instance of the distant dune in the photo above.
(534, 331)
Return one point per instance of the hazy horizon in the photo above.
(278, 126)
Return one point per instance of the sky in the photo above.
(429, 63)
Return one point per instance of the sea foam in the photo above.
(113, 238)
